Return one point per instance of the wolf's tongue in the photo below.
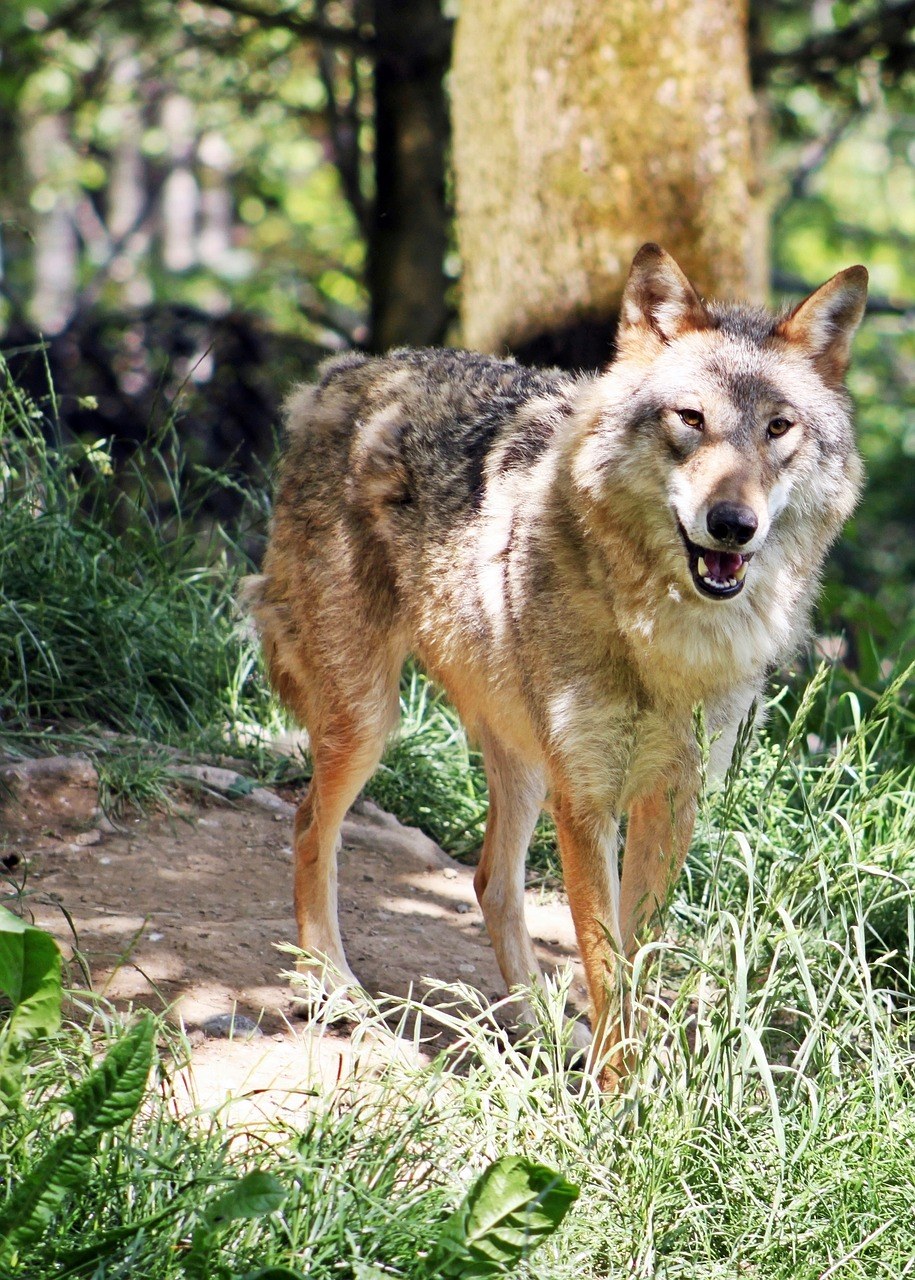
(722, 565)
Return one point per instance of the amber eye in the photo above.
(778, 427)
(692, 418)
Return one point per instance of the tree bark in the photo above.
(407, 239)
(582, 130)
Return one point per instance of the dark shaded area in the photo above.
(130, 378)
(884, 34)
(581, 345)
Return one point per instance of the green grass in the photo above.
(115, 617)
(768, 1130)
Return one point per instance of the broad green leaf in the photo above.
(253, 1196)
(510, 1209)
(33, 1203)
(30, 976)
(110, 1095)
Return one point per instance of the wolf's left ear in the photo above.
(659, 303)
(825, 323)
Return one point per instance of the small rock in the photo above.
(231, 1026)
(155, 937)
(467, 968)
(368, 827)
(450, 873)
(50, 791)
(86, 838)
(462, 908)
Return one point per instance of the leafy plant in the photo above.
(30, 977)
(509, 1210)
(116, 615)
(250, 1197)
(105, 1101)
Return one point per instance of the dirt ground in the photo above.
(182, 911)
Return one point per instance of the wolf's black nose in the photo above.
(731, 522)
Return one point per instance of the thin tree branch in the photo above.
(344, 124)
(289, 20)
(889, 28)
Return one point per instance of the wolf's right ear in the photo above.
(825, 323)
(659, 303)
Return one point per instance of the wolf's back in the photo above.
(415, 435)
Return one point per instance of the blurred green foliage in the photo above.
(143, 89)
(840, 92)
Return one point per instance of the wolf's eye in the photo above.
(691, 418)
(778, 427)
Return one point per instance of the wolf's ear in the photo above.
(659, 303)
(825, 323)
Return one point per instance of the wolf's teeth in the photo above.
(703, 569)
(741, 573)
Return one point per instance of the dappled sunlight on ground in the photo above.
(185, 912)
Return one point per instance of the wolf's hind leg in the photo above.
(346, 749)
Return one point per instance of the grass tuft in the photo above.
(113, 614)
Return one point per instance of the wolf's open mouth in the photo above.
(719, 574)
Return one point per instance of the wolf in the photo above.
(583, 562)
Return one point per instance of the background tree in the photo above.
(601, 127)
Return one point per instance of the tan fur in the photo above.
(539, 542)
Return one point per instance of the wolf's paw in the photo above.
(324, 990)
(524, 1023)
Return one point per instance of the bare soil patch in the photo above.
(181, 911)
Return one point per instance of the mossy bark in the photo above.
(582, 129)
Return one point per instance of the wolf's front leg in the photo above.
(516, 794)
(588, 846)
(657, 840)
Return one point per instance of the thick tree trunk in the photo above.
(408, 235)
(582, 129)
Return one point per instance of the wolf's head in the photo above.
(723, 434)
